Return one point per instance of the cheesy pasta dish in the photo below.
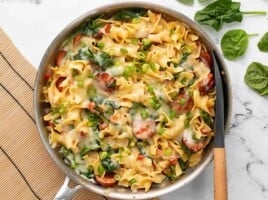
(130, 99)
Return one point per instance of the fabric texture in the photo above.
(26, 169)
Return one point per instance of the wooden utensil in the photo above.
(220, 172)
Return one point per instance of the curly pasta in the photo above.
(131, 100)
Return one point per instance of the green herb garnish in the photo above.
(129, 14)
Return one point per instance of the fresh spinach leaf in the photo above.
(128, 14)
(191, 2)
(263, 43)
(187, 2)
(256, 77)
(234, 43)
(203, 1)
(222, 11)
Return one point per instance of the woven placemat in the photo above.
(26, 169)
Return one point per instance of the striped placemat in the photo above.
(26, 169)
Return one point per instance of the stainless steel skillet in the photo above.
(119, 193)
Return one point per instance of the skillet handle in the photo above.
(65, 192)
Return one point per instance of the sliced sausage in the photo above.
(77, 39)
(182, 104)
(58, 83)
(102, 31)
(107, 181)
(187, 139)
(61, 54)
(106, 81)
(206, 84)
(206, 59)
(143, 129)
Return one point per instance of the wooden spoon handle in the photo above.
(220, 175)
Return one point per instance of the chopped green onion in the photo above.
(150, 89)
(129, 71)
(91, 91)
(135, 41)
(117, 177)
(187, 49)
(103, 155)
(141, 55)
(144, 114)
(146, 42)
(145, 67)
(184, 80)
(124, 50)
(172, 114)
(100, 45)
(73, 165)
(62, 110)
(80, 83)
(182, 101)
(136, 20)
(132, 181)
(167, 152)
(100, 170)
(188, 119)
(152, 65)
(161, 131)
(172, 31)
(154, 102)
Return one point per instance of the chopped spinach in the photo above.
(129, 14)
(102, 59)
(84, 151)
(109, 165)
(183, 165)
(93, 119)
(183, 58)
(91, 27)
(206, 118)
(89, 173)
(141, 146)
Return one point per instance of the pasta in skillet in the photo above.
(131, 99)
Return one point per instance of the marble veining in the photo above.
(243, 115)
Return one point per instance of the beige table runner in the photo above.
(26, 169)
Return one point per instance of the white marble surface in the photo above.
(32, 24)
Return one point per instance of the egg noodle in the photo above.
(130, 99)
